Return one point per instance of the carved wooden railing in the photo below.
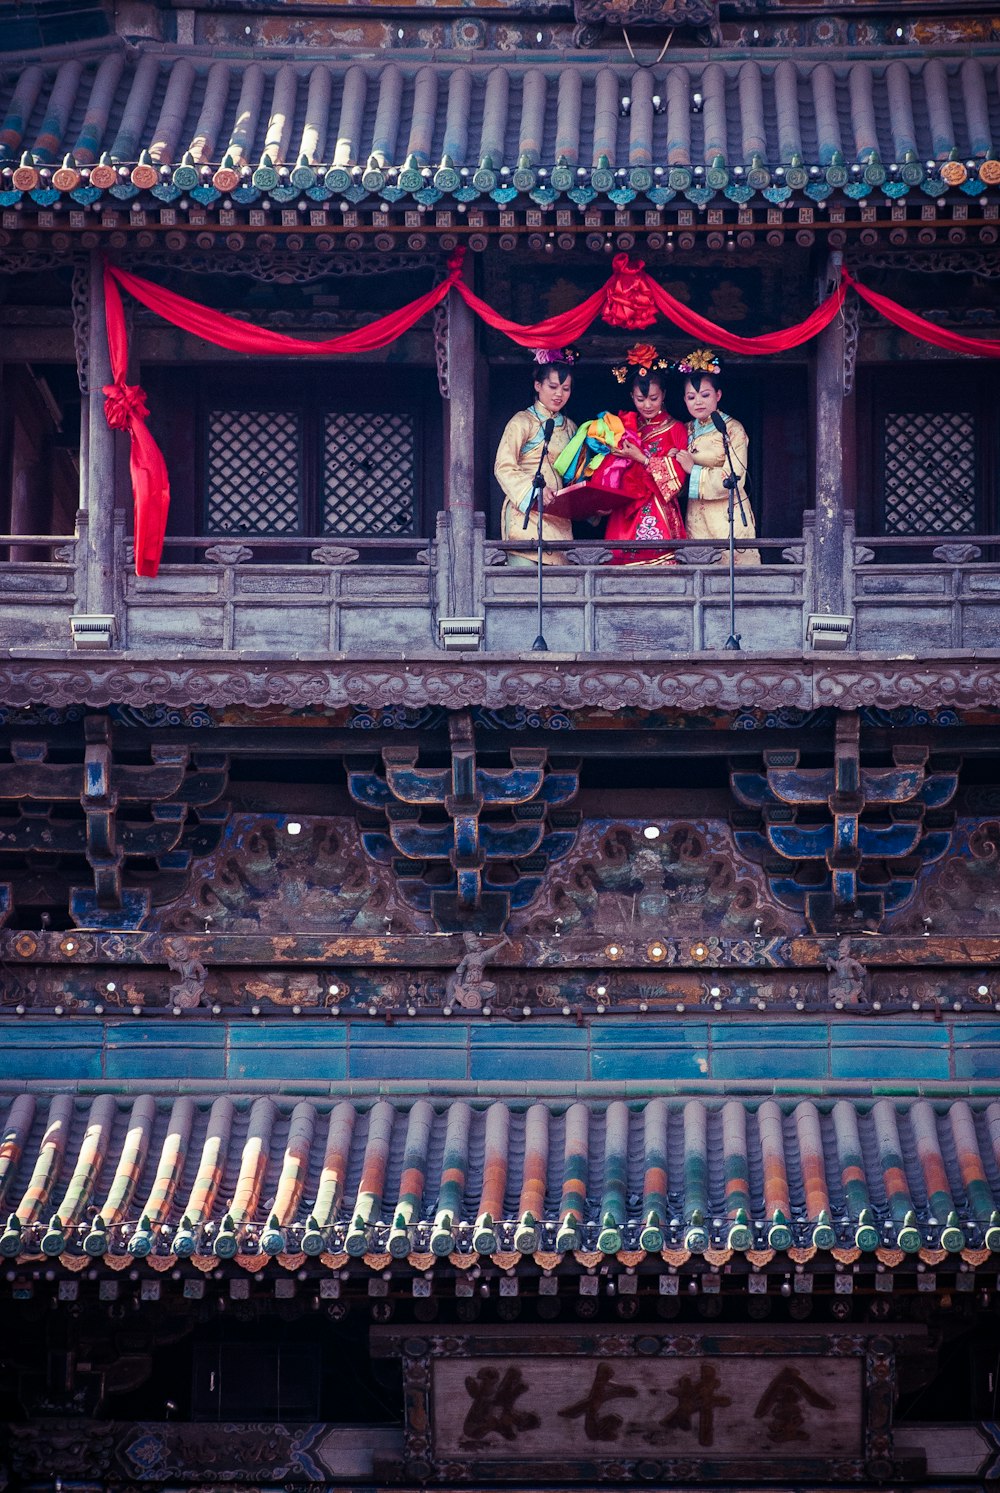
(284, 597)
(592, 606)
(290, 596)
(42, 583)
(924, 594)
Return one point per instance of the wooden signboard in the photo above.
(568, 1405)
(500, 1408)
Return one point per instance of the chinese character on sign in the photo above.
(697, 1398)
(599, 1427)
(494, 1406)
(781, 1405)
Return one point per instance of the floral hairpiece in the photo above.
(643, 357)
(700, 360)
(545, 355)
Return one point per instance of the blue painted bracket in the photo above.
(496, 829)
(867, 835)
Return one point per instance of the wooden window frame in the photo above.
(924, 389)
(183, 396)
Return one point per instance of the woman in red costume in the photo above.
(651, 471)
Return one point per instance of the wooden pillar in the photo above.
(461, 455)
(829, 499)
(100, 487)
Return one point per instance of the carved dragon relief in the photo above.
(691, 882)
(263, 880)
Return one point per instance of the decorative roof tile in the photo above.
(243, 1177)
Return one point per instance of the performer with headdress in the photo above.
(705, 458)
(521, 446)
(635, 454)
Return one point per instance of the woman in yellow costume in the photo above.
(705, 458)
(520, 448)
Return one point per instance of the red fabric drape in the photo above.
(625, 292)
(125, 408)
(242, 337)
(555, 331)
(919, 326)
(756, 347)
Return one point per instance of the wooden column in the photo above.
(461, 456)
(100, 488)
(829, 499)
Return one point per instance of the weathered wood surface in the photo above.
(501, 1409)
(440, 951)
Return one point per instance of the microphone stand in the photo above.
(536, 501)
(732, 486)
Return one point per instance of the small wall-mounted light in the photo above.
(828, 633)
(697, 102)
(460, 634)
(658, 104)
(624, 105)
(92, 630)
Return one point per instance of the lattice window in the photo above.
(369, 474)
(254, 468)
(930, 473)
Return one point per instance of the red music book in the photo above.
(585, 499)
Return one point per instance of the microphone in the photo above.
(538, 481)
(732, 481)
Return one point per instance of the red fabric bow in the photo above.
(125, 406)
(627, 302)
(124, 403)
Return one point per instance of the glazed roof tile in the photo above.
(342, 113)
(241, 1175)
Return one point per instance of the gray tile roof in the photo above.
(340, 113)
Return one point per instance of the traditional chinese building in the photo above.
(455, 1034)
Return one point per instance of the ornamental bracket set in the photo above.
(468, 844)
(135, 817)
(845, 844)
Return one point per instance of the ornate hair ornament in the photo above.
(641, 357)
(546, 355)
(699, 360)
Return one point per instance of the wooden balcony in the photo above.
(292, 598)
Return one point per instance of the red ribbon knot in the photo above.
(123, 404)
(627, 302)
